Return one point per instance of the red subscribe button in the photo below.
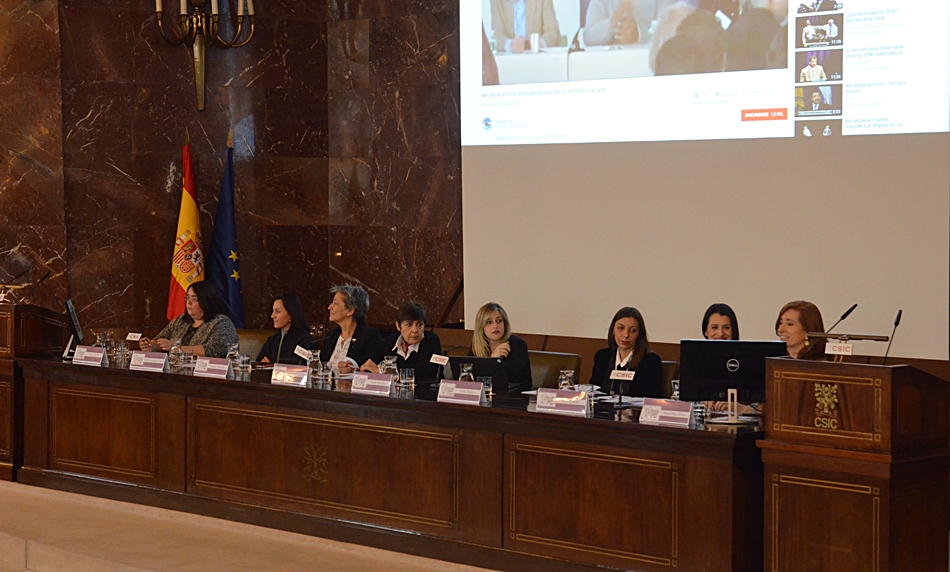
(777, 114)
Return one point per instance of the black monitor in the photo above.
(74, 322)
(709, 368)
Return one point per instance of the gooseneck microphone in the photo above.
(897, 322)
(35, 286)
(843, 316)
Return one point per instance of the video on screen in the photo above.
(818, 129)
(818, 101)
(819, 65)
(819, 31)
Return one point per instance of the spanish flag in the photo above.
(187, 260)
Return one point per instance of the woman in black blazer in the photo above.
(293, 330)
(351, 342)
(628, 348)
(412, 346)
(493, 338)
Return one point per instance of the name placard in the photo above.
(666, 412)
(133, 337)
(622, 374)
(302, 353)
(296, 375)
(839, 349)
(149, 361)
(563, 402)
(373, 383)
(88, 355)
(219, 368)
(462, 392)
(441, 360)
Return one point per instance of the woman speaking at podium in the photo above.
(794, 321)
(628, 348)
(493, 338)
(204, 328)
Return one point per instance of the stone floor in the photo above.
(53, 531)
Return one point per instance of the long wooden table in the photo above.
(499, 487)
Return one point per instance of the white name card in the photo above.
(149, 361)
(88, 355)
(302, 353)
(296, 375)
(462, 392)
(219, 368)
(622, 374)
(839, 349)
(441, 360)
(373, 383)
(133, 337)
(666, 412)
(563, 402)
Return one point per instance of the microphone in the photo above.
(33, 289)
(843, 316)
(897, 322)
(18, 276)
(575, 45)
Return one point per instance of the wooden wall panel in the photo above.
(117, 434)
(389, 474)
(6, 421)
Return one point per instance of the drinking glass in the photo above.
(486, 383)
(407, 378)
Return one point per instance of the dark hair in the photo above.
(749, 40)
(411, 312)
(695, 49)
(809, 316)
(722, 310)
(209, 300)
(642, 345)
(298, 318)
(354, 298)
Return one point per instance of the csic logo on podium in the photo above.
(826, 405)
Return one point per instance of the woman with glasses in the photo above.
(205, 328)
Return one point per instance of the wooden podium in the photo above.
(856, 464)
(25, 331)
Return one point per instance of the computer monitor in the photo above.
(709, 368)
(74, 322)
(483, 367)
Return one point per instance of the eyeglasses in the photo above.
(191, 299)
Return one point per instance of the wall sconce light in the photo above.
(199, 29)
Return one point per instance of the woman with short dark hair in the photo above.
(351, 342)
(205, 328)
(628, 348)
(293, 330)
(412, 345)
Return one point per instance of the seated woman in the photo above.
(412, 345)
(794, 321)
(628, 348)
(720, 323)
(204, 329)
(351, 342)
(493, 338)
(293, 330)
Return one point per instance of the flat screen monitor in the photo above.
(74, 322)
(709, 368)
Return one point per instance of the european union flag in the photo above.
(223, 262)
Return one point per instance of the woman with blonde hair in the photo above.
(493, 338)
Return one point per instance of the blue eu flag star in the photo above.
(223, 261)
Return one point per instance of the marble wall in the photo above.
(347, 156)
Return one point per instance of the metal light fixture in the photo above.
(199, 28)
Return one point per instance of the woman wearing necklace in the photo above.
(351, 342)
(204, 329)
(293, 330)
(628, 349)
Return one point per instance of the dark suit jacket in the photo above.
(365, 341)
(293, 338)
(419, 361)
(648, 382)
(517, 366)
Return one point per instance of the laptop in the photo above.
(481, 367)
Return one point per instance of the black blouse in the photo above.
(648, 382)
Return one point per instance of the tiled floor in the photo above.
(52, 531)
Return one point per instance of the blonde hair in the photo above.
(480, 344)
